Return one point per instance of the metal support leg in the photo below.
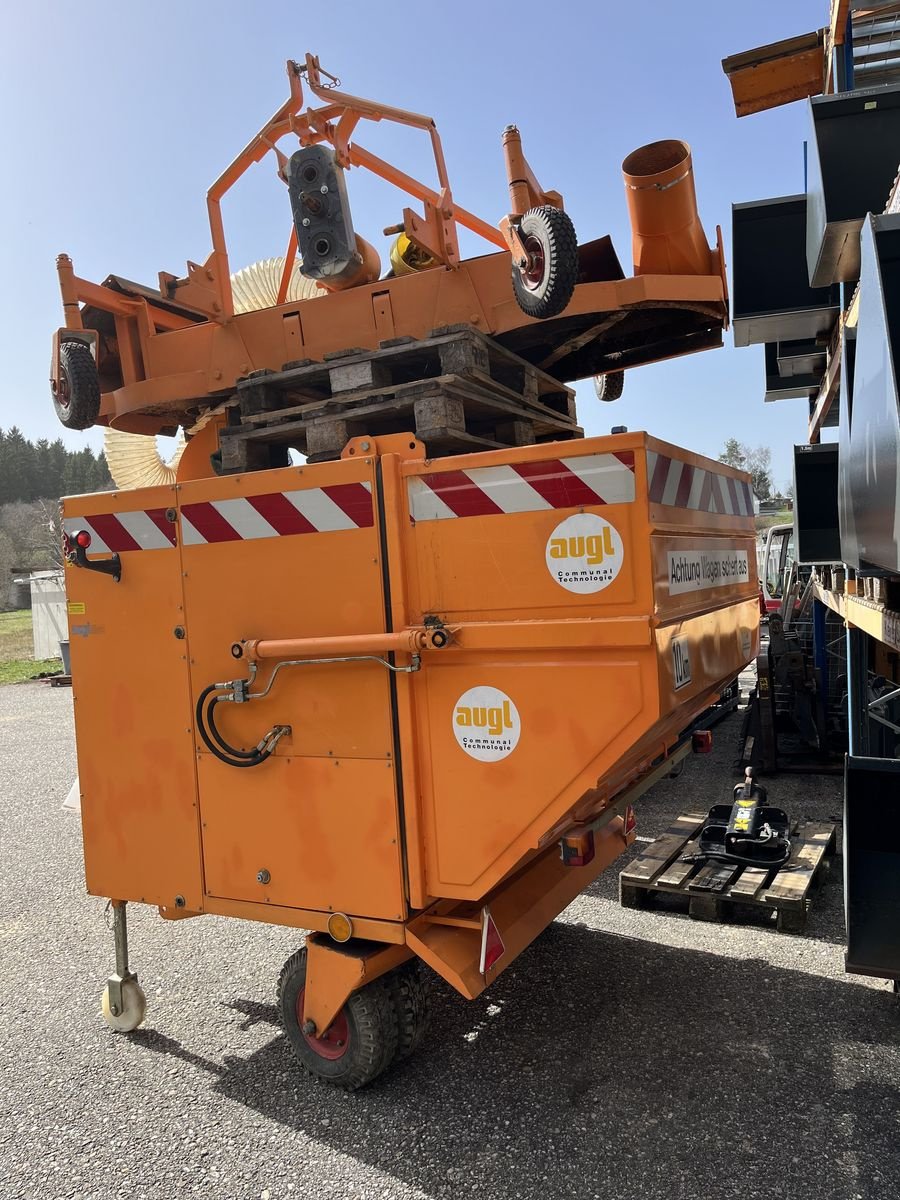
(820, 646)
(857, 692)
(123, 974)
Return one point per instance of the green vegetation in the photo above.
(16, 663)
(46, 470)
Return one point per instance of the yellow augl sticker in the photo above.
(584, 553)
(76, 608)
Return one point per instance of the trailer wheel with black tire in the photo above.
(361, 1041)
(76, 396)
(544, 281)
(411, 999)
(610, 385)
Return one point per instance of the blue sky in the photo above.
(118, 116)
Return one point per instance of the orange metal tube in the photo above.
(408, 641)
(516, 171)
(667, 237)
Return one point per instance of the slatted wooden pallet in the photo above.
(711, 890)
(457, 391)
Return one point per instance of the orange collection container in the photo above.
(468, 662)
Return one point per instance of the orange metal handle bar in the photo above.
(407, 641)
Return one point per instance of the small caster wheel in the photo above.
(544, 282)
(609, 386)
(134, 1007)
(77, 394)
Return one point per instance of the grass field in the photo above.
(16, 648)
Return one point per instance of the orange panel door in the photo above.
(294, 554)
(132, 702)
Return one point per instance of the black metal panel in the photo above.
(846, 519)
(781, 387)
(817, 538)
(854, 148)
(772, 299)
(870, 437)
(872, 865)
(801, 358)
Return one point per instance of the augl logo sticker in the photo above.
(486, 723)
(584, 553)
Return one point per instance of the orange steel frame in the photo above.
(183, 347)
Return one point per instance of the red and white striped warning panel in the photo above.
(112, 533)
(277, 514)
(583, 481)
(677, 484)
(313, 510)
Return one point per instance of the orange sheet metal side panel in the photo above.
(517, 719)
(132, 703)
(704, 571)
(289, 554)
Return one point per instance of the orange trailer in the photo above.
(399, 702)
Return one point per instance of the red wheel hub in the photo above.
(334, 1042)
(533, 272)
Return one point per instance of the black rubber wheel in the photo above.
(544, 284)
(411, 998)
(77, 397)
(361, 1041)
(610, 385)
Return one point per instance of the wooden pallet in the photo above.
(711, 890)
(457, 391)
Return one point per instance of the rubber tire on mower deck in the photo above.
(544, 287)
(371, 1030)
(610, 385)
(77, 398)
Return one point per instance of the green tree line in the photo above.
(45, 470)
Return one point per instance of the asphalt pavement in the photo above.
(627, 1055)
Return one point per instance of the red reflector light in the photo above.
(630, 820)
(577, 850)
(701, 742)
(83, 538)
(492, 948)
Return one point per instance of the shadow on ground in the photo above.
(606, 1066)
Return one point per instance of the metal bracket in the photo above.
(105, 566)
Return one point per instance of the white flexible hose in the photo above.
(134, 459)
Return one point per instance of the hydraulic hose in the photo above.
(253, 761)
(250, 757)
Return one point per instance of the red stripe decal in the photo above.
(461, 495)
(162, 523)
(209, 523)
(555, 483)
(113, 532)
(281, 514)
(660, 475)
(625, 457)
(684, 486)
(706, 493)
(721, 497)
(733, 492)
(354, 500)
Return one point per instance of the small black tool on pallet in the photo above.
(748, 832)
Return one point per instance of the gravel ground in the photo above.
(627, 1054)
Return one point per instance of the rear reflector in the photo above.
(577, 850)
(701, 742)
(492, 948)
